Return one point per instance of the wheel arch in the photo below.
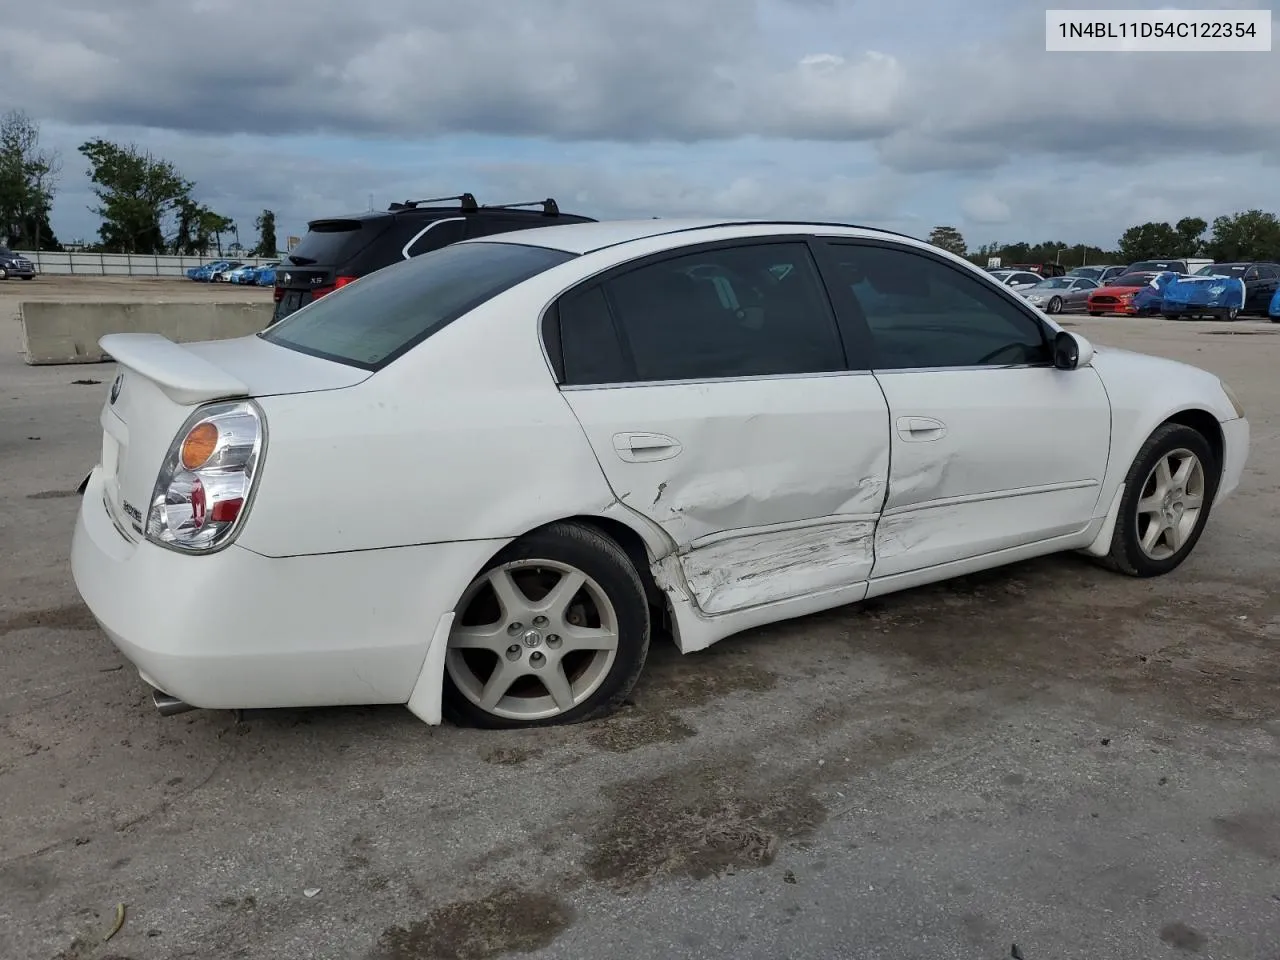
(1198, 419)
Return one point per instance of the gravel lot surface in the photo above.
(1047, 755)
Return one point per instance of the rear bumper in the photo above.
(235, 629)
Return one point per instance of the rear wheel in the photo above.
(1232, 314)
(4, 274)
(554, 630)
(1166, 501)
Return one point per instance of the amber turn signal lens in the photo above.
(199, 445)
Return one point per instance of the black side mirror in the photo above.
(1066, 351)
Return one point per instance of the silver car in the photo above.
(1019, 280)
(1060, 293)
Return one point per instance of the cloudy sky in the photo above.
(898, 113)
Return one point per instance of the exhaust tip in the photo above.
(169, 706)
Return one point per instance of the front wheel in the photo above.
(554, 630)
(1165, 506)
(1055, 305)
(1232, 314)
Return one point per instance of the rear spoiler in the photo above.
(184, 377)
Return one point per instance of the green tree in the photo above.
(949, 238)
(137, 193)
(1148, 241)
(1190, 236)
(28, 177)
(1251, 235)
(266, 224)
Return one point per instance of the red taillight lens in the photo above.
(343, 281)
(319, 292)
(278, 294)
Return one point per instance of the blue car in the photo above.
(1148, 301)
(205, 272)
(242, 274)
(265, 275)
(1204, 295)
(1274, 310)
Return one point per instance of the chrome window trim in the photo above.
(404, 251)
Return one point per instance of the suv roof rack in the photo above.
(549, 207)
(466, 201)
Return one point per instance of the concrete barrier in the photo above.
(69, 332)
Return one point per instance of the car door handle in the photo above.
(645, 447)
(916, 429)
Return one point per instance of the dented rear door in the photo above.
(769, 484)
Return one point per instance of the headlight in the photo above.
(1235, 401)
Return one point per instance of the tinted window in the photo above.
(374, 320)
(1131, 280)
(924, 313)
(731, 312)
(1084, 283)
(1222, 270)
(487, 226)
(1157, 265)
(1267, 271)
(589, 341)
(439, 233)
(333, 241)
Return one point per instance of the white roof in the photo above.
(585, 237)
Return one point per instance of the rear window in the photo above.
(331, 242)
(371, 322)
(1131, 280)
(1156, 265)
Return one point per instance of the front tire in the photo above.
(1232, 315)
(1167, 496)
(1055, 305)
(554, 630)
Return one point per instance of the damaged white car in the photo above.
(472, 483)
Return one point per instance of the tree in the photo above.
(1148, 241)
(1190, 233)
(948, 238)
(138, 194)
(1252, 235)
(266, 224)
(28, 176)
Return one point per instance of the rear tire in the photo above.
(1232, 315)
(1154, 493)
(554, 630)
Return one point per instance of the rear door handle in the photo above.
(918, 429)
(645, 447)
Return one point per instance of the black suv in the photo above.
(15, 265)
(338, 250)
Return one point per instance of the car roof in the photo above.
(582, 238)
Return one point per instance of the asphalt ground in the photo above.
(1046, 755)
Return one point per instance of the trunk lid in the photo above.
(159, 384)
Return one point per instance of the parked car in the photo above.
(1101, 273)
(1017, 279)
(1147, 301)
(338, 250)
(472, 482)
(1176, 265)
(241, 274)
(1261, 279)
(1117, 296)
(204, 273)
(265, 275)
(1058, 294)
(1204, 295)
(1273, 311)
(1043, 269)
(15, 265)
(223, 274)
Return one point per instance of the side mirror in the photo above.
(1071, 351)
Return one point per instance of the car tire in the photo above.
(4, 274)
(1055, 305)
(1133, 551)
(592, 682)
(1232, 315)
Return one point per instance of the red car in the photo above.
(1117, 296)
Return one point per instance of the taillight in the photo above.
(318, 292)
(207, 478)
(278, 294)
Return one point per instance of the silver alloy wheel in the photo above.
(1170, 504)
(533, 640)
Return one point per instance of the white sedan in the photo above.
(472, 483)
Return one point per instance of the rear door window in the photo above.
(371, 322)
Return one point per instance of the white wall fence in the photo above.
(122, 264)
